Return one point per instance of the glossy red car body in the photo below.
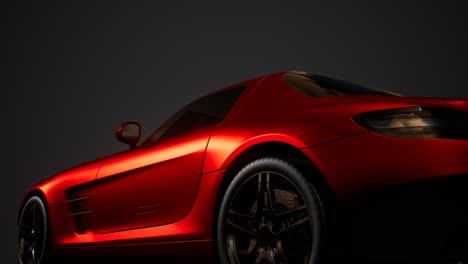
(163, 199)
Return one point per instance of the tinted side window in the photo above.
(204, 112)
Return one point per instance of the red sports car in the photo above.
(279, 169)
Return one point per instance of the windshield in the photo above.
(322, 86)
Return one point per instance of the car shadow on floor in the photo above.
(171, 259)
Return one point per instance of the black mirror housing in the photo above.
(129, 133)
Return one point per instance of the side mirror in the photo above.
(129, 133)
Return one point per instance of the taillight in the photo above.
(417, 122)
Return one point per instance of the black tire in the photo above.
(33, 233)
(288, 228)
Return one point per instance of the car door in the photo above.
(157, 182)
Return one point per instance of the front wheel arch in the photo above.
(31, 193)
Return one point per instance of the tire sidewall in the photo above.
(287, 169)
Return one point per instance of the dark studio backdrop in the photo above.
(74, 71)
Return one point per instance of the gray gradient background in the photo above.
(74, 72)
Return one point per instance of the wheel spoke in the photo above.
(232, 249)
(240, 221)
(33, 211)
(240, 228)
(260, 200)
(252, 251)
(239, 216)
(33, 254)
(25, 230)
(280, 254)
(29, 252)
(268, 195)
(293, 212)
(295, 225)
(38, 231)
(264, 195)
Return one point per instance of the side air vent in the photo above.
(80, 203)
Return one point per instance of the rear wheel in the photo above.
(270, 214)
(32, 232)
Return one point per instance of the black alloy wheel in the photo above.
(270, 214)
(32, 232)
